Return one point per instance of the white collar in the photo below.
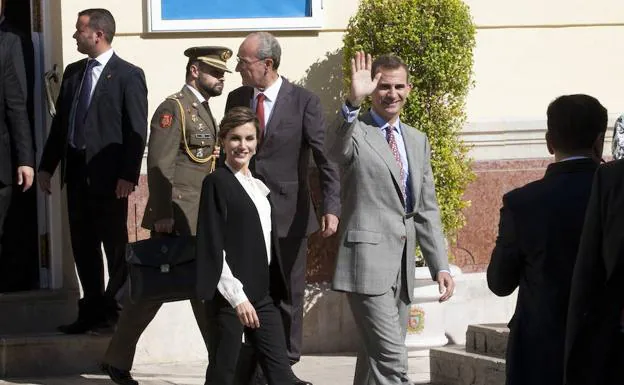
(250, 178)
(197, 94)
(271, 91)
(104, 57)
(573, 158)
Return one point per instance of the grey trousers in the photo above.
(382, 324)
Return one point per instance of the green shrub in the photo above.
(435, 38)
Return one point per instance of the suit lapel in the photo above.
(107, 75)
(378, 143)
(198, 109)
(411, 145)
(278, 111)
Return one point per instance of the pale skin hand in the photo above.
(247, 315)
(124, 188)
(44, 181)
(361, 83)
(216, 151)
(164, 225)
(329, 225)
(446, 285)
(25, 176)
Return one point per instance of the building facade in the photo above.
(527, 53)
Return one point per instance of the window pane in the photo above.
(233, 9)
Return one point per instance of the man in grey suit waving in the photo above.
(388, 205)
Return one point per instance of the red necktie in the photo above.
(397, 156)
(260, 113)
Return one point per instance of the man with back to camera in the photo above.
(389, 204)
(539, 232)
(594, 345)
(98, 137)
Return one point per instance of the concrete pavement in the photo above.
(320, 370)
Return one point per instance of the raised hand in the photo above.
(362, 83)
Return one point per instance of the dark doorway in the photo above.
(19, 262)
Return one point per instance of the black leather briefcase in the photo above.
(162, 269)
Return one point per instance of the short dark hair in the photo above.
(236, 117)
(388, 61)
(575, 122)
(101, 19)
(192, 61)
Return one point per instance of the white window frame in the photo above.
(157, 24)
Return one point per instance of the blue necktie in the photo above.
(84, 97)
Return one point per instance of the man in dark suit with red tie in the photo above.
(292, 126)
(98, 137)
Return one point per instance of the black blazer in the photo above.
(539, 232)
(296, 128)
(16, 145)
(116, 125)
(597, 294)
(228, 221)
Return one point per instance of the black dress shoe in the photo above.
(80, 326)
(121, 377)
(102, 328)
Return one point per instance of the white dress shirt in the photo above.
(270, 94)
(229, 286)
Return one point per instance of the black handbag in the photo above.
(162, 269)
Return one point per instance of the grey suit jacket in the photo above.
(375, 229)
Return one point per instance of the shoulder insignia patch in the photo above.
(178, 95)
(166, 120)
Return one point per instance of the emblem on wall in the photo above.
(416, 320)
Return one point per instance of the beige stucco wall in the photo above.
(527, 53)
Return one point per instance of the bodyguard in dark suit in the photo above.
(539, 231)
(17, 158)
(594, 348)
(292, 125)
(98, 137)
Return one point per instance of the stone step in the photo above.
(36, 311)
(487, 339)
(452, 365)
(50, 354)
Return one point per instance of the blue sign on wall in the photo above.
(233, 9)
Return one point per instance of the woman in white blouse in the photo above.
(239, 269)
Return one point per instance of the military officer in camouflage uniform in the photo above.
(182, 150)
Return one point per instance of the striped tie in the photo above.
(397, 156)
